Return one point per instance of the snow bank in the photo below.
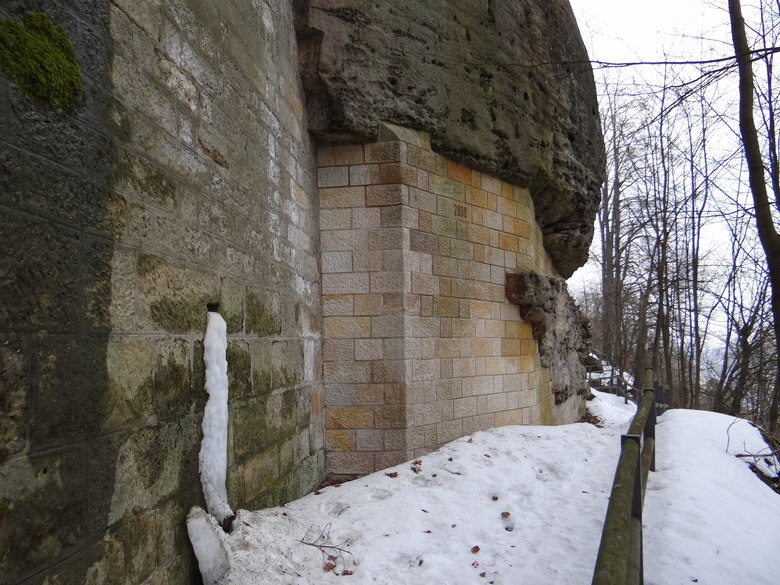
(510, 505)
(213, 449)
(611, 409)
(517, 505)
(708, 518)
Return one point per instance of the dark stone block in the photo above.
(96, 305)
(287, 360)
(15, 389)
(136, 538)
(263, 314)
(62, 139)
(423, 242)
(140, 178)
(11, 169)
(71, 569)
(73, 199)
(46, 519)
(42, 288)
(70, 390)
(239, 370)
(100, 474)
(263, 422)
(173, 393)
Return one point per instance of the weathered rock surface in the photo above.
(501, 85)
(559, 326)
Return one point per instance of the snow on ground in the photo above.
(525, 505)
(708, 518)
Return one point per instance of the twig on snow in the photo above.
(330, 552)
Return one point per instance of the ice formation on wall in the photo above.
(208, 542)
(213, 449)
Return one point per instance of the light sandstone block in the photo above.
(336, 262)
(349, 283)
(342, 197)
(333, 177)
(347, 327)
(364, 174)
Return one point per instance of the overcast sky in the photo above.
(627, 30)
(632, 30)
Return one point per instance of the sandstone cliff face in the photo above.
(558, 325)
(501, 85)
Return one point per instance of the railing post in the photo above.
(620, 556)
(649, 433)
(648, 378)
(635, 568)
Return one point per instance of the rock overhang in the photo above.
(502, 86)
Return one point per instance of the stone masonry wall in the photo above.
(368, 279)
(185, 177)
(59, 221)
(421, 346)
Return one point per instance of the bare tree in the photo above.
(762, 206)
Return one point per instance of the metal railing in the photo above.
(619, 560)
(615, 384)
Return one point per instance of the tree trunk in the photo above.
(770, 241)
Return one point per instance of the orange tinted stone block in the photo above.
(528, 347)
(349, 417)
(510, 347)
(507, 242)
(458, 172)
(522, 228)
(525, 331)
(476, 197)
(340, 440)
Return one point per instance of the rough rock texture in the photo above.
(501, 85)
(559, 326)
(183, 177)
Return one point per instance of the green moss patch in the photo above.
(38, 57)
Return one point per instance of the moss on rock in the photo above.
(38, 56)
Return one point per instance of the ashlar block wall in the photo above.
(420, 345)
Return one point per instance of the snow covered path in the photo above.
(707, 518)
(525, 505)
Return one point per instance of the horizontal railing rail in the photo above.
(619, 560)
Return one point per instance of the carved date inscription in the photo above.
(460, 211)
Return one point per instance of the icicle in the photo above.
(208, 542)
(213, 449)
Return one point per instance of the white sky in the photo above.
(634, 30)
(626, 30)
